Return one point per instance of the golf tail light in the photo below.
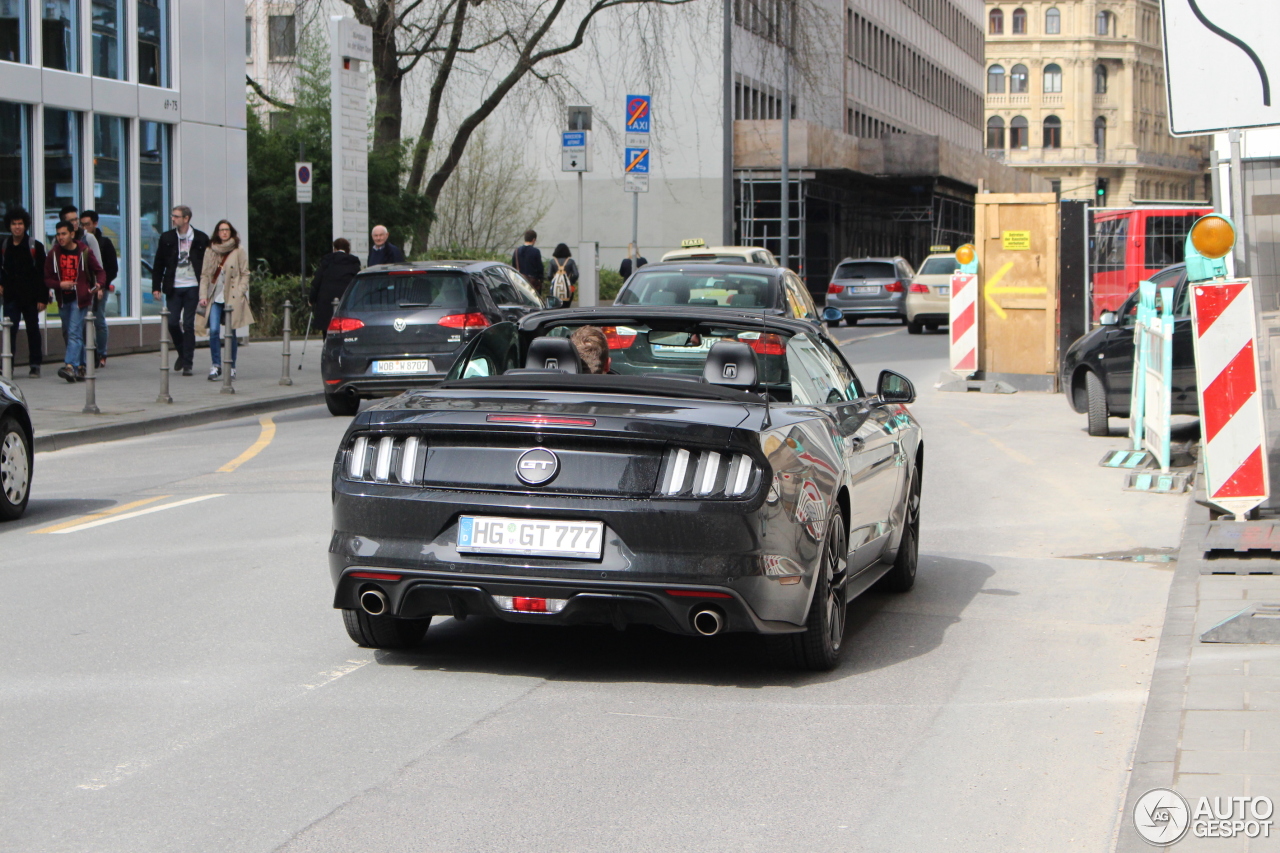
(619, 337)
(345, 324)
(919, 288)
(474, 320)
(528, 604)
(835, 288)
(895, 287)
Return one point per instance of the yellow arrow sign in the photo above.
(990, 290)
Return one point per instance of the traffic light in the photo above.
(1101, 191)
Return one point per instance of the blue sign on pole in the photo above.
(636, 161)
(573, 139)
(638, 114)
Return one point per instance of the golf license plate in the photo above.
(404, 367)
(531, 537)
(865, 288)
(944, 290)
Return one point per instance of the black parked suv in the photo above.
(1097, 370)
(400, 326)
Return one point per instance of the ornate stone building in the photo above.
(1075, 93)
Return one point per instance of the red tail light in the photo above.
(895, 287)
(769, 344)
(529, 605)
(345, 324)
(919, 288)
(619, 337)
(835, 288)
(696, 593)
(540, 420)
(377, 576)
(465, 321)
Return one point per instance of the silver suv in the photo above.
(870, 287)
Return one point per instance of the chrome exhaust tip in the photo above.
(708, 622)
(373, 602)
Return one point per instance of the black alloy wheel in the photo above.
(1097, 397)
(15, 469)
(902, 576)
(817, 647)
(384, 632)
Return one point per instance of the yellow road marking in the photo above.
(101, 521)
(76, 522)
(264, 438)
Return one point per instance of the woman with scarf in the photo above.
(224, 293)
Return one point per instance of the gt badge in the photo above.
(399, 324)
(537, 466)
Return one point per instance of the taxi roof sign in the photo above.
(939, 248)
(693, 243)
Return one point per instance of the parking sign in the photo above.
(636, 160)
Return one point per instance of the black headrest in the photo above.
(730, 363)
(553, 354)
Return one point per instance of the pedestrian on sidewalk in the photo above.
(72, 270)
(632, 262)
(528, 260)
(331, 280)
(22, 282)
(224, 294)
(70, 213)
(382, 251)
(111, 266)
(564, 274)
(176, 273)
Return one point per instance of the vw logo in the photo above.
(537, 466)
(399, 324)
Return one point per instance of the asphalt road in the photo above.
(175, 680)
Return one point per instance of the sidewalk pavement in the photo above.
(1212, 723)
(128, 386)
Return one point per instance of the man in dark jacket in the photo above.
(382, 251)
(22, 281)
(331, 280)
(111, 266)
(73, 272)
(528, 260)
(176, 274)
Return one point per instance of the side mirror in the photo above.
(832, 315)
(895, 388)
(553, 302)
(1108, 318)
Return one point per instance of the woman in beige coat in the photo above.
(224, 293)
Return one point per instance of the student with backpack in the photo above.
(73, 271)
(22, 282)
(564, 274)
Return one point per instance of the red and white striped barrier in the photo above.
(964, 322)
(1232, 429)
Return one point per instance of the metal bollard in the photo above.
(228, 334)
(6, 348)
(284, 371)
(164, 396)
(90, 362)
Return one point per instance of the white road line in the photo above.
(329, 677)
(134, 514)
(869, 337)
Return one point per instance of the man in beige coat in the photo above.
(224, 293)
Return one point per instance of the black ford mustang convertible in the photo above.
(729, 473)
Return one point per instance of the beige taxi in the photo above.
(928, 300)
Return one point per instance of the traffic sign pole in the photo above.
(637, 115)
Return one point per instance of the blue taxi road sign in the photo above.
(636, 161)
(638, 117)
(573, 139)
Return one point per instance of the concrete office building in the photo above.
(127, 107)
(1076, 94)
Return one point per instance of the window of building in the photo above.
(1055, 186)
(1019, 133)
(13, 31)
(995, 133)
(15, 156)
(1019, 22)
(1100, 79)
(282, 37)
(1100, 137)
(110, 186)
(153, 42)
(1102, 23)
(996, 27)
(60, 34)
(63, 163)
(155, 195)
(1052, 132)
(248, 38)
(1018, 80)
(1052, 22)
(108, 23)
(995, 80)
(1052, 78)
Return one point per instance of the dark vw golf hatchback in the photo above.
(400, 326)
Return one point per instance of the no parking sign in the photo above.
(303, 176)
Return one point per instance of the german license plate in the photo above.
(868, 288)
(531, 537)
(405, 367)
(944, 290)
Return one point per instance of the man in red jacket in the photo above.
(76, 276)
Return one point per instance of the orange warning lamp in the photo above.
(1213, 236)
(965, 254)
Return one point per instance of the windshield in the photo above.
(445, 289)
(680, 287)
(866, 269)
(939, 266)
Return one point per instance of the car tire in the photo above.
(914, 327)
(384, 632)
(15, 469)
(342, 405)
(1097, 396)
(851, 321)
(901, 577)
(832, 324)
(817, 647)
(931, 327)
